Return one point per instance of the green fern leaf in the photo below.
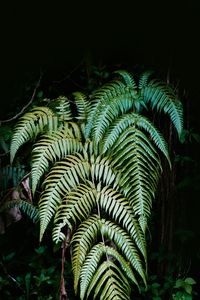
(62, 178)
(90, 266)
(26, 207)
(112, 99)
(144, 77)
(52, 147)
(102, 277)
(30, 125)
(107, 116)
(63, 109)
(140, 168)
(113, 290)
(82, 241)
(128, 120)
(97, 169)
(117, 207)
(105, 167)
(102, 171)
(125, 244)
(76, 206)
(89, 269)
(127, 77)
(87, 234)
(11, 175)
(164, 99)
(83, 106)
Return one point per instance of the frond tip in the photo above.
(107, 276)
(162, 98)
(29, 126)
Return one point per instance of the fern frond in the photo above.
(113, 289)
(52, 147)
(163, 98)
(112, 100)
(30, 125)
(89, 267)
(104, 161)
(99, 277)
(133, 119)
(63, 109)
(73, 170)
(118, 207)
(99, 171)
(85, 237)
(82, 241)
(79, 205)
(11, 175)
(72, 129)
(143, 80)
(102, 171)
(124, 264)
(83, 106)
(114, 203)
(102, 279)
(76, 206)
(137, 159)
(108, 115)
(126, 245)
(62, 178)
(107, 272)
(26, 207)
(127, 77)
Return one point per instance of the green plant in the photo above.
(32, 276)
(157, 290)
(98, 159)
(185, 289)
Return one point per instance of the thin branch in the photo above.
(25, 107)
(68, 77)
(65, 245)
(69, 74)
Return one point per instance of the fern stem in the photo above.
(65, 245)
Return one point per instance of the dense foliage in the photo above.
(95, 163)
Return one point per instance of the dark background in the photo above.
(58, 39)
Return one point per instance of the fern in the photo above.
(63, 109)
(83, 106)
(52, 147)
(115, 92)
(143, 80)
(128, 78)
(98, 163)
(30, 125)
(11, 176)
(106, 272)
(163, 98)
(128, 120)
(117, 288)
(26, 207)
(62, 178)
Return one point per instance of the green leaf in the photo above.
(179, 283)
(190, 281)
(188, 288)
(155, 285)
(9, 257)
